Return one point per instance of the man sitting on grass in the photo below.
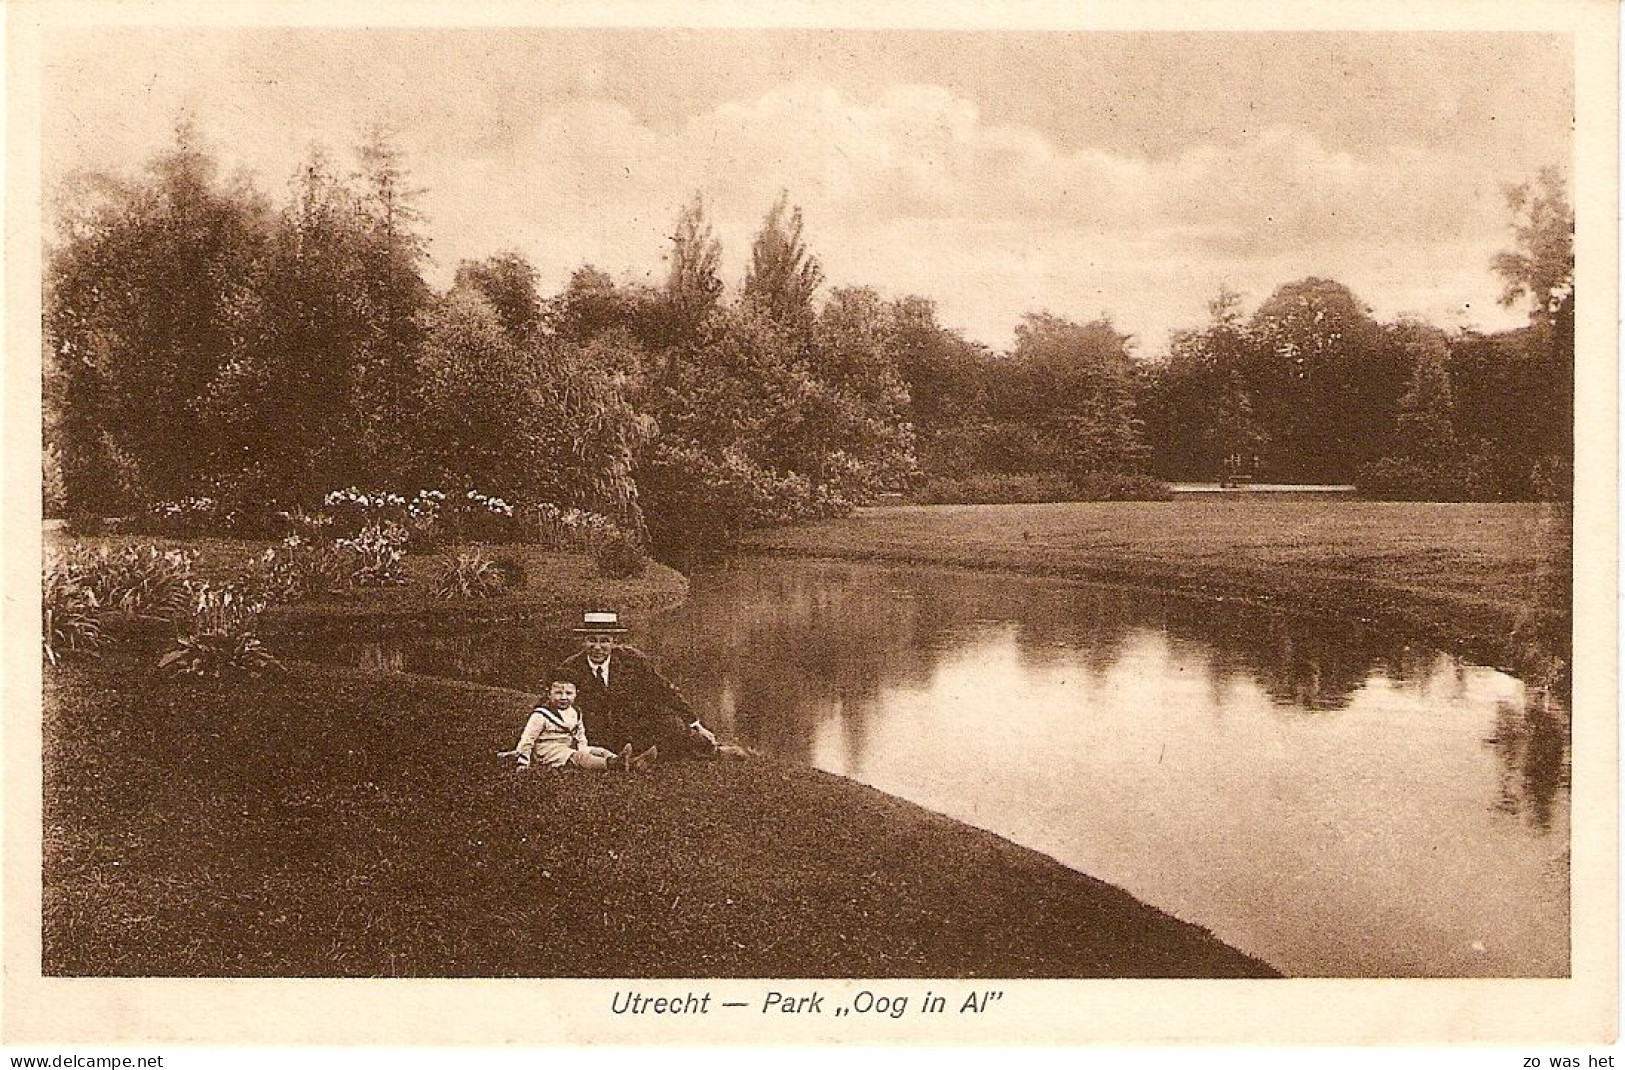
(555, 737)
(625, 699)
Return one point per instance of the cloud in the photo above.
(912, 189)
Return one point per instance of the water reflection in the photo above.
(1531, 740)
(1332, 800)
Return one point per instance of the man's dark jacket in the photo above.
(640, 707)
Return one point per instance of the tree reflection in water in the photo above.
(1532, 742)
(784, 654)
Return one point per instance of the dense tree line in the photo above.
(1311, 388)
(205, 342)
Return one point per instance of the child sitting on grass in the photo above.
(555, 737)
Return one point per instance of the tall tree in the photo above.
(693, 285)
(148, 296)
(1074, 384)
(388, 267)
(1425, 426)
(783, 275)
(1540, 267)
(1321, 379)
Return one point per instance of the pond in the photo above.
(1334, 802)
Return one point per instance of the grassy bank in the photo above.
(334, 823)
(1489, 581)
(555, 587)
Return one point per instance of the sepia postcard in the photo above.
(798, 524)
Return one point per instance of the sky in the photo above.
(1130, 175)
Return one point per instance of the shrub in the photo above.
(512, 571)
(378, 552)
(221, 635)
(468, 574)
(71, 613)
(1552, 479)
(618, 556)
(189, 516)
(308, 526)
(487, 518)
(1119, 487)
(297, 569)
(986, 488)
(565, 529)
(424, 530)
(137, 581)
(1414, 479)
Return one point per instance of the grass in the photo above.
(1489, 581)
(339, 824)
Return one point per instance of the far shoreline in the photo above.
(1498, 610)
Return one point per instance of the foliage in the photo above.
(783, 275)
(507, 283)
(220, 635)
(990, 488)
(618, 556)
(1540, 268)
(468, 574)
(145, 306)
(1431, 479)
(512, 571)
(1552, 479)
(297, 568)
(188, 516)
(146, 582)
(71, 613)
(565, 529)
(54, 494)
(1119, 487)
(348, 511)
(378, 552)
(692, 284)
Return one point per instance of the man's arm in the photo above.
(659, 692)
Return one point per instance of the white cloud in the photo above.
(912, 190)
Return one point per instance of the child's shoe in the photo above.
(646, 759)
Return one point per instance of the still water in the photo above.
(1335, 803)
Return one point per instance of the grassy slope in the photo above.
(558, 585)
(1484, 579)
(338, 824)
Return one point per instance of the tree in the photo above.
(1540, 267)
(508, 282)
(1322, 383)
(783, 276)
(1197, 403)
(477, 420)
(1074, 384)
(392, 294)
(692, 284)
(148, 302)
(1425, 426)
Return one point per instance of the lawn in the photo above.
(335, 823)
(1487, 580)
